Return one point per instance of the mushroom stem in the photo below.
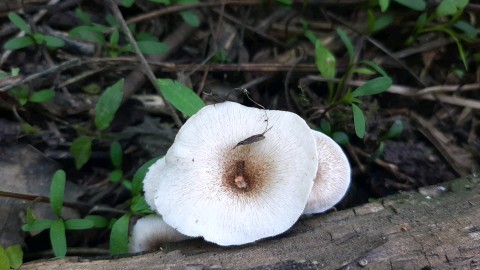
(239, 179)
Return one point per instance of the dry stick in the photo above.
(44, 199)
(143, 61)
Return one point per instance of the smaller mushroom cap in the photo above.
(332, 178)
(150, 232)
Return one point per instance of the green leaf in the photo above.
(41, 96)
(57, 190)
(166, 2)
(150, 47)
(467, 28)
(53, 42)
(37, 226)
(119, 236)
(99, 222)
(347, 43)
(4, 261)
(191, 18)
(81, 150)
(365, 71)
(359, 121)
(376, 67)
(372, 87)
(138, 205)
(116, 175)
(418, 5)
(3, 75)
(137, 182)
(78, 224)
(21, 93)
(108, 104)
(14, 71)
(395, 130)
(285, 2)
(15, 256)
(384, 5)
(18, 43)
(145, 36)
(325, 127)
(114, 37)
(58, 239)
(340, 137)
(88, 33)
(19, 22)
(116, 154)
(127, 184)
(84, 17)
(325, 61)
(381, 23)
(180, 96)
(446, 7)
(128, 3)
(30, 217)
(379, 152)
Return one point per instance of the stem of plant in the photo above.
(148, 71)
(44, 199)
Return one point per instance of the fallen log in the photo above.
(404, 231)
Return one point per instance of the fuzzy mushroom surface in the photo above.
(150, 232)
(332, 178)
(232, 194)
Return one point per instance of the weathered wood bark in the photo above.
(406, 231)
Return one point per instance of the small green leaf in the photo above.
(30, 216)
(81, 150)
(37, 226)
(108, 104)
(151, 47)
(21, 93)
(418, 5)
(384, 5)
(53, 42)
(325, 61)
(395, 130)
(325, 127)
(14, 71)
(84, 17)
(99, 222)
(166, 2)
(191, 18)
(340, 137)
(348, 44)
(376, 67)
(128, 3)
(467, 28)
(379, 152)
(127, 184)
(145, 36)
(137, 182)
(18, 43)
(180, 96)
(57, 190)
(15, 256)
(19, 22)
(78, 224)
(365, 71)
(114, 37)
(88, 33)
(3, 75)
(4, 261)
(372, 87)
(41, 96)
(138, 205)
(446, 7)
(285, 2)
(116, 154)
(116, 175)
(119, 236)
(58, 239)
(381, 23)
(359, 121)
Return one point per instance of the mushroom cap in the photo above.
(235, 195)
(150, 184)
(150, 232)
(332, 178)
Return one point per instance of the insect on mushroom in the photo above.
(257, 137)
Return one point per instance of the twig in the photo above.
(143, 61)
(30, 197)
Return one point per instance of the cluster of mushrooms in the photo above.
(231, 180)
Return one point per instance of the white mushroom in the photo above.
(333, 175)
(230, 194)
(150, 232)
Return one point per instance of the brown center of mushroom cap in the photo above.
(246, 175)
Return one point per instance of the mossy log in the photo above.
(404, 231)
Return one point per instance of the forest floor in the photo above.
(56, 63)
